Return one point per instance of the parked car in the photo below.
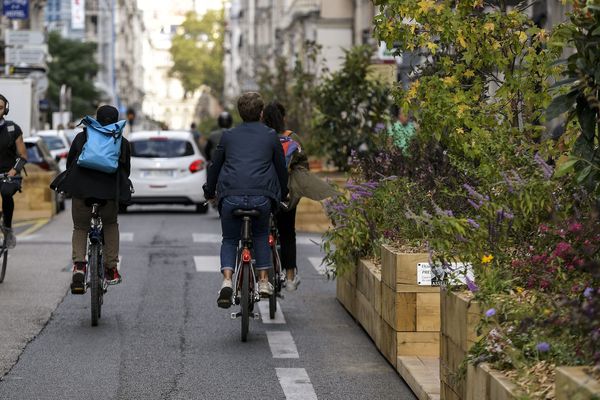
(167, 168)
(58, 144)
(39, 154)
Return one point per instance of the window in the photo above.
(161, 147)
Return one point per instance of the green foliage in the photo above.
(579, 93)
(197, 52)
(349, 106)
(294, 88)
(73, 64)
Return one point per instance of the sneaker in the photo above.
(78, 278)
(10, 241)
(265, 288)
(292, 285)
(225, 294)
(112, 276)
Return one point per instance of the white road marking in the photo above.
(306, 240)
(207, 263)
(119, 263)
(295, 384)
(126, 237)
(282, 344)
(206, 238)
(263, 306)
(317, 264)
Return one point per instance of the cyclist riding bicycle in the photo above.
(13, 157)
(109, 188)
(248, 172)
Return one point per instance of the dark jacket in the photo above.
(249, 161)
(85, 183)
(211, 145)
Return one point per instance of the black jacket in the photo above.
(85, 183)
(249, 161)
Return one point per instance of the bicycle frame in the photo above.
(95, 272)
(244, 256)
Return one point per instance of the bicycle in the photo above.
(275, 275)
(246, 292)
(94, 276)
(5, 178)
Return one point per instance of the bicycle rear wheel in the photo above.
(245, 301)
(95, 284)
(4, 263)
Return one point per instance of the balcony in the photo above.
(301, 7)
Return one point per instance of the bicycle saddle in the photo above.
(91, 201)
(246, 213)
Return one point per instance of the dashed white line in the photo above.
(126, 237)
(295, 384)
(263, 307)
(317, 263)
(206, 238)
(282, 344)
(207, 263)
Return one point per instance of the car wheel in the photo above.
(201, 208)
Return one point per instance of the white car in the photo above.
(167, 168)
(58, 144)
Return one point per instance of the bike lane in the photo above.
(161, 335)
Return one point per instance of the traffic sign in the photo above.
(26, 55)
(24, 38)
(16, 9)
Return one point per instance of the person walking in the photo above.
(247, 172)
(301, 183)
(13, 157)
(86, 184)
(225, 121)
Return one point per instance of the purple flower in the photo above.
(473, 193)
(543, 347)
(471, 285)
(547, 170)
(473, 223)
(490, 313)
(588, 292)
(475, 205)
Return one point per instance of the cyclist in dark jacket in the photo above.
(248, 172)
(84, 183)
(13, 156)
(225, 121)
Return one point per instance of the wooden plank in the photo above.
(366, 315)
(399, 309)
(448, 394)
(460, 317)
(573, 383)
(421, 374)
(400, 267)
(368, 282)
(346, 294)
(451, 358)
(478, 383)
(387, 342)
(500, 387)
(418, 343)
(428, 312)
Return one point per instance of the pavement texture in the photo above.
(161, 335)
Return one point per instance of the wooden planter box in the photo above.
(36, 200)
(459, 318)
(573, 383)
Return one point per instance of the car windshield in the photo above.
(53, 142)
(33, 153)
(161, 148)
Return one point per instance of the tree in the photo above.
(72, 64)
(197, 52)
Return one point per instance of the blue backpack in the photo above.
(103, 147)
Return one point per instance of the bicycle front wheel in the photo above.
(4, 263)
(95, 284)
(245, 301)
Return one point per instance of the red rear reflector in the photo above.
(246, 257)
(271, 240)
(196, 166)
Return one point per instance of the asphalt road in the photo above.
(161, 335)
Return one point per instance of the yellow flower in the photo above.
(489, 26)
(461, 109)
(425, 5)
(469, 73)
(449, 80)
(432, 47)
(522, 37)
(460, 130)
(520, 289)
(487, 259)
(547, 311)
(461, 39)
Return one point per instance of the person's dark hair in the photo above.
(107, 115)
(193, 126)
(273, 118)
(225, 120)
(250, 105)
(280, 107)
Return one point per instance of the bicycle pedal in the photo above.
(256, 316)
(236, 315)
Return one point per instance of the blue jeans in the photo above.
(232, 230)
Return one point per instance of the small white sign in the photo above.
(24, 38)
(32, 55)
(453, 274)
(77, 14)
